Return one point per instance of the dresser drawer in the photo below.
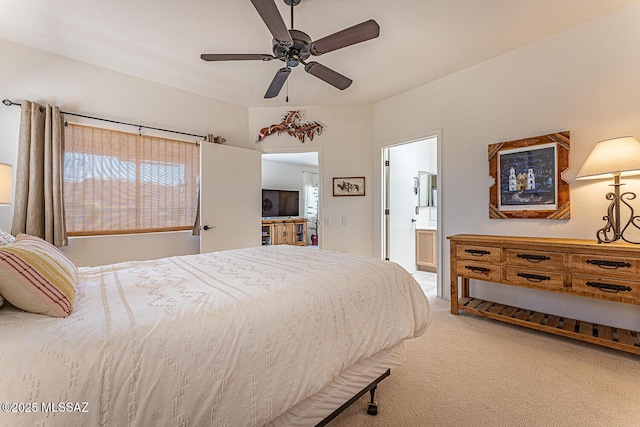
(535, 259)
(617, 266)
(606, 288)
(479, 270)
(544, 279)
(480, 253)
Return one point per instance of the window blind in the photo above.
(117, 182)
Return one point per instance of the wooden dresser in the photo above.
(569, 266)
(284, 231)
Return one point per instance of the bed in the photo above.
(272, 335)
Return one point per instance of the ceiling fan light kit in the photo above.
(294, 47)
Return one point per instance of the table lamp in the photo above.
(614, 158)
(6, 184)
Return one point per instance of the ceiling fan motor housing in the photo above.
(298, 51)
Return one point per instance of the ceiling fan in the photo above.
(294, 47)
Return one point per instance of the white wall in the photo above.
(585, 80)
(345, 151)
(78, 87)
(278, 175)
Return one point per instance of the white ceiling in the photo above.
(420, 40)
(305, 158)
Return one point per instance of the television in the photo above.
(280, 203)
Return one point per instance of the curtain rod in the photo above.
(9, 103)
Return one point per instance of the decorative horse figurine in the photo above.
(290, 124)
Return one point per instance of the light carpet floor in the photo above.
(471, 371)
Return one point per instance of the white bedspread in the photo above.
(230, 338)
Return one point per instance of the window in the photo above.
(310, 181)
(117, 182)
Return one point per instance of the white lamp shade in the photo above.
(611, 157)
(6, 184)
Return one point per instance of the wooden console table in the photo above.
(569, 266)
(284, 231)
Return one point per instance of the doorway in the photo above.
(297, 171)
(410, 203)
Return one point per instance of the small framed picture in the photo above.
(352, 186)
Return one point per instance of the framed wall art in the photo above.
(352, 186)
(527, 178)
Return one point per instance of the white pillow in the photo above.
(6, 238)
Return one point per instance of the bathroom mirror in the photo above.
(427, 189)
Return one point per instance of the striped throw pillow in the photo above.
(36, 276)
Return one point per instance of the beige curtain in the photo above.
(196, 224)
(38, 207)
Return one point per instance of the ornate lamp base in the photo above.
(612, 230)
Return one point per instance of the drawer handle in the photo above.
(534, 277)
(610, 265)
(534, 258)
(607, 287)
(477, 252)
(481, 270)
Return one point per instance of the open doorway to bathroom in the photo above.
(296, 172)
(410, 202)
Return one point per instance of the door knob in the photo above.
(206, 227)
(413, 220)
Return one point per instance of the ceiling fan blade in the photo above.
(269, 13)
(236, 57)
(358, 33)
(328, 75)
(277, 82)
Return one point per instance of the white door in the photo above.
(402, 203)
(230, 197)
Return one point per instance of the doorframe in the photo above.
(285, 150)
(439, 208)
